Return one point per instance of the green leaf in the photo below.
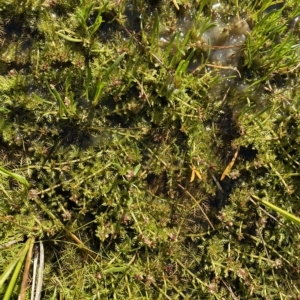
(98, 21)
(136, 169)
(69, 38)
(279, 210)
(4, 110)
(63, 110)
(18, 177)
(35, 96)
(13, 280)
(102, 83)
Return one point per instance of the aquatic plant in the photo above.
(149, 151)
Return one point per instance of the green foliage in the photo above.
(270, 47)
(117, 124)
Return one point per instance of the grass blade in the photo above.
(8, 270)
(279, 210)
(18, 177)
(63, 110)
(155, 33)
(102, 83)
(17, 271)
(68, 38)
(35, 96)
(98, 21)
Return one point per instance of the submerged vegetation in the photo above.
(151, 148)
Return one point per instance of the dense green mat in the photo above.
(149, 149)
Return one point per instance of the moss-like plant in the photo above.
(151, 149)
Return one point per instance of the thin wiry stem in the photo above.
(40, 273)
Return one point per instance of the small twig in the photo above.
(26, 270)
(295, 68)
(225, 67)
(230, 290)
(230, 165)
(225, 95)
(8, 244)
(219, 67)
(215, 180)
(176, 5)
